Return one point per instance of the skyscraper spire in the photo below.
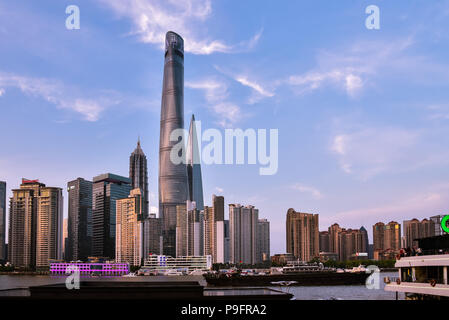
(172, 177)
(138, 173)
(195, 181)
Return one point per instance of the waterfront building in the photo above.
(152, 236)
(2, 220)
(214, 230)
(64, 239)
(263, 240)
(282, 258)
(173, 186)
(302, 235)
(90, 268)
(138, 173)
(186, 264)
(387, 240)
(227, 242)
(195, 181)
(49, 225)
(438, 230)
(128, 238)
(415, 229)
(243, 233)
(189, 230)
(35, 224)
(182, 232)
(345, 243)
(79, 226)
(324, 241)
(106, 189)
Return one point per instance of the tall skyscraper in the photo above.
(302, 235)
(263, 240)
(2, 219)
(128, 239)
(35, 224)
(138, 173)
(49, 226)
(79, 240)
(195, 182)
(106, 189)
(243, 223)
(173, 187)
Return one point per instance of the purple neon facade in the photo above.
(88, 268)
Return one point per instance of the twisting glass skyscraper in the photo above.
(138, 173)
(172, 177)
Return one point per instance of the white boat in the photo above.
(421, 277)
(172, 273)
(131, 274)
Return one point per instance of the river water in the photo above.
(357, 292)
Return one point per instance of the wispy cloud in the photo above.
(153, 18)
(216, 95)
(314, 192)
(58, 94)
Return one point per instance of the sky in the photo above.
(362, 114)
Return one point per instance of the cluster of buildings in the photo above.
(109, 218)
(305, 242)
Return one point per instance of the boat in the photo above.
(173, 273)
(131, 274)
(423, 277)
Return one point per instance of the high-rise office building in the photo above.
(129, 229)
(243, 223)
(49, 226)
(152, 236)
(173, 186)
(106, 189)
(2, 220)
(263, 240)
(79, 238)
(195, 182)
(35, 224)
(138, 173)
(302, 235)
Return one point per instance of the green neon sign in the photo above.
(443, 224)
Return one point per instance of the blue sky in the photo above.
(362, 114)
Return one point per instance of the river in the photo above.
(357, 292)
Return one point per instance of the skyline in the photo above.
(371, 147)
